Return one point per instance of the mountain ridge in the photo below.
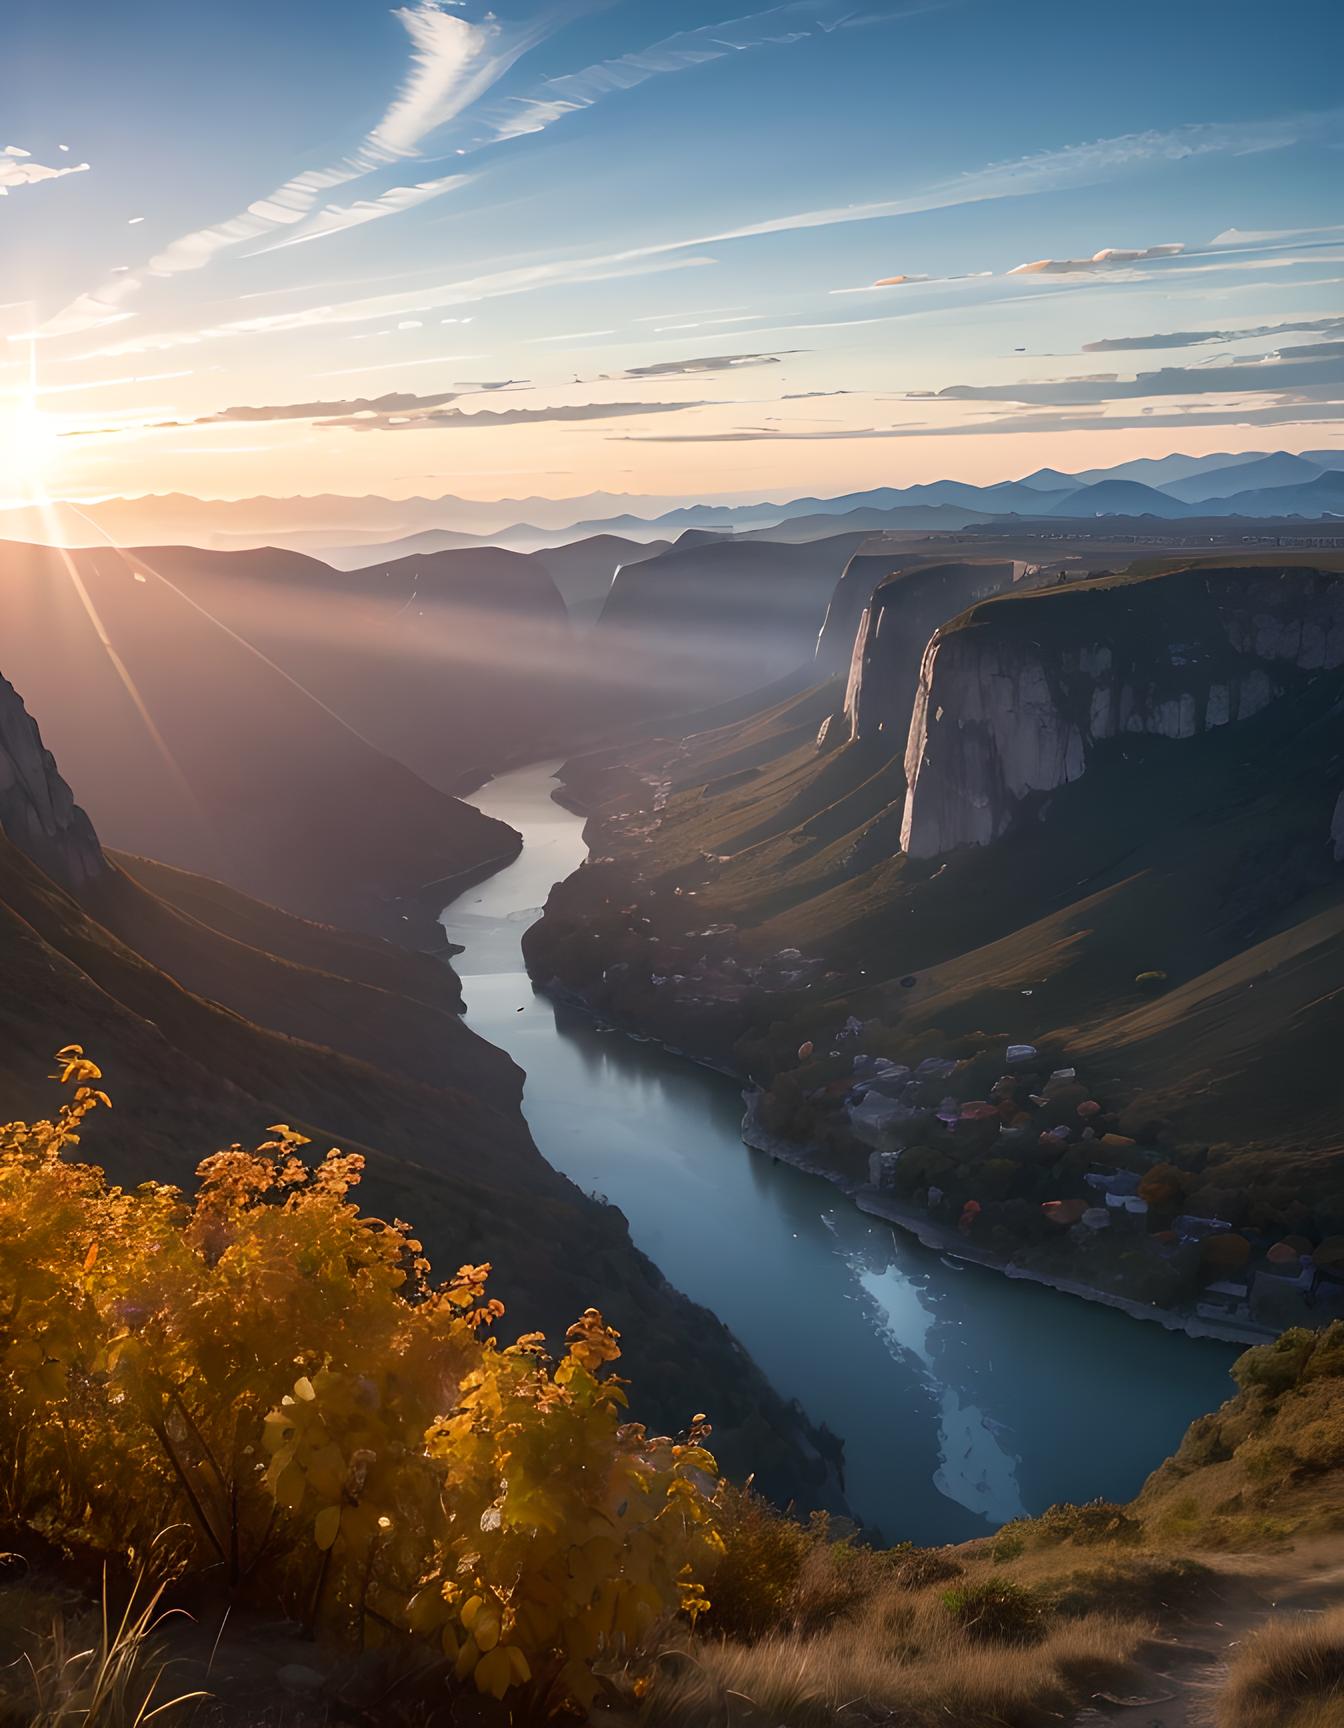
(594, 512)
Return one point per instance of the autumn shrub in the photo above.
(754, 1579)
(275, 1376)
(773, 1573)
(1093, 1524)
(996, 1610)
(1007, 1544)
(915, 1568)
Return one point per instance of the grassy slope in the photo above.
(1205, 859)
(394, 1008)
(323, 947)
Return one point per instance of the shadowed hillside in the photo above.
(197, 746)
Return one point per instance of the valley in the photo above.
(921, 902)
(976, 974)
(941, 1384)
(215, 1015)
(839, 953)
(671, 865)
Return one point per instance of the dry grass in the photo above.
(905, 1665)
(810, 1628)
(86, 1669)
(1290, 1675)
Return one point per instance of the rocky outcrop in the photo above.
(882, 558)
(1015, 697)
(37, 809)
(900, 615)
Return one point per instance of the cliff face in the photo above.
(708, 622)
(899, 616)
(37, 809)
(880, 560)
(1014, 698)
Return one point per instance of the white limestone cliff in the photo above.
(1014, 701)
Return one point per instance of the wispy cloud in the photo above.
(1201, 338)
(523, 279)
(17, 168)
(570, 336)
(779, 26)
(885, 282)
(452, 63)
(336, 218)
(1109, 258)
(1265, 236)
(1300, 370)
(772, 435)
(1056, 170)
(1272, 414)
(691, 312)
(393, 402)
(1232, 414)
(707, 323)
(1072, 166)
(458, 420)
(705, 363)
(385, 366)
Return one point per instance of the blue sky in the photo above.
(664, 250)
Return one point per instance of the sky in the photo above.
(636, 247)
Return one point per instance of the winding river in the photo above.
(963, 1398)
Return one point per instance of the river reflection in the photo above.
(963, 1398)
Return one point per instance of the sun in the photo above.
(28, 441)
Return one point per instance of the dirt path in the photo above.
(1183, 1674)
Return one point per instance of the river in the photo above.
(963, 1398)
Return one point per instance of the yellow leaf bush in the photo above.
(275, 1374)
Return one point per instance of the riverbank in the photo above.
(942, 1240)
(872, 1201)
(616, 947)
(811, 1161)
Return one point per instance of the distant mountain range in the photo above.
(349, 532)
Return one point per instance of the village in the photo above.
(1036, 1176)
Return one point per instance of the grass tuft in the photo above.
(104, 1669)
(1290, 1675)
